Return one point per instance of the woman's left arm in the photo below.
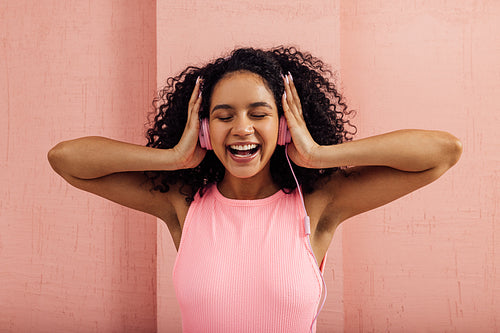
(382, 168)
(387, 167)
(405, 150)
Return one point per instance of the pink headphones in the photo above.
(284, 136)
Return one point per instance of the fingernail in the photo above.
(284, 94)
(286, 78)
(197, 80)
(291, 77)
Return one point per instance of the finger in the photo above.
(193, 119)
(195, 94)
(294, 94)
(286, 109)
(284, 103)
(195, 100)
(293, 109)
(288, 92)
(286, 95)
(196, 107)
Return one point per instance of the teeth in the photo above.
(243, 147)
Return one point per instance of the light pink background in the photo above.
(428, 262)
(72, 262)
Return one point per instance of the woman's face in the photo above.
(243, 124)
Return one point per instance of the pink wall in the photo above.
(192, 32)
(69, 261)
(428, 262)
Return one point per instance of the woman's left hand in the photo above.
(303, 150)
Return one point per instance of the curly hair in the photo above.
(325, 113)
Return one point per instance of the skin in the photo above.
(242, 111)
(385, 167)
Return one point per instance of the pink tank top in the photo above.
(246, 266)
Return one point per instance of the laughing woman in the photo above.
(252, 229)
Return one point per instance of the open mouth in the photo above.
(243, 150)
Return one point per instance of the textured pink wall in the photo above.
(428, 262)
(69, 261)
(191, 32)
(72, 262)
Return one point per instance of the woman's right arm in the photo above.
(93, 157)
(115, 170)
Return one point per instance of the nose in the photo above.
(243, 126)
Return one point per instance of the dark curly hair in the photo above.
(324, 110)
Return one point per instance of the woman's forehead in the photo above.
(241, 87)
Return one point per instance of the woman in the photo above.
(248, 245)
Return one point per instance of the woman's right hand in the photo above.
(188, 151)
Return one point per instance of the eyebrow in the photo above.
(252, 105)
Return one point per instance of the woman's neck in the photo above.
(256, 187)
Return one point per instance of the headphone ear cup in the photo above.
(284, 135)
(204, 135)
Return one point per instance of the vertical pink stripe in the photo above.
(426, 263)
(71, 262)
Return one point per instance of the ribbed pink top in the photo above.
(245, 266)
